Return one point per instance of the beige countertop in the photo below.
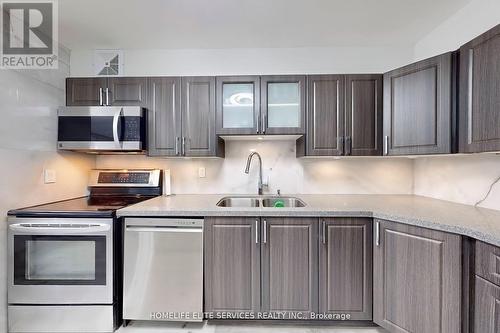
(479, 223)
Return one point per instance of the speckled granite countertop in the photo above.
(479, 223)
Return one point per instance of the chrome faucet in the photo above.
(247, 170)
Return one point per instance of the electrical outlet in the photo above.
(49, 176)
(201, 172)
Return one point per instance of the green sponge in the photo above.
(279, 204)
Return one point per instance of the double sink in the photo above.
(261, 201)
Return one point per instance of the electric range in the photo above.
(64, 257)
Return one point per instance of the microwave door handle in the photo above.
(58, 230)
(116, 117)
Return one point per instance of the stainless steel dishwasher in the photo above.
(163, 269)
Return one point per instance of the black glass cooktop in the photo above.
(93, 206)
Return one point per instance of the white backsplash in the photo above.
(284, 170)
(462, 178)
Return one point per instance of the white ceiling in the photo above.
(180, 24)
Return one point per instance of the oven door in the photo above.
(60, 261)
(116, 128)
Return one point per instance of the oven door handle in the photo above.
(58, 229)
(116, 117)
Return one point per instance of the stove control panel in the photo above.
(124, 178)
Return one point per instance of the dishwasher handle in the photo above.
(159, 228)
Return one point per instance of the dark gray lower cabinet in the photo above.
(345, 267)
(289, 265)
(232, 265)
(417, 279)
(487, 307)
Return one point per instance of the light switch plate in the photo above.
(49, 176)
(202, 172)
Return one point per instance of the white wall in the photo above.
(251, 61)
(28, 132)
(464, 179)
(469, 22)
(285, 171)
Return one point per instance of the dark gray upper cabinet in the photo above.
(289, 265)
(164, 117)
(283, 104)
(127, 91)
(325, 117)
(96, 91)
(416, 279)
(418, 108)
(363, 115)
(85, 91)
(238, 105)
(198, 118)
(479, 120)
(345, 267)
(182, 117)
(232, 265)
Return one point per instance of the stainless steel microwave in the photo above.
(101, 128)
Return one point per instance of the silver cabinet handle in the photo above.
(323, 225)
(265, 232)
(264, 123)
(183, 145)
(386, 145)
(107, 96)
(341, 145)
(177, 145)
(258, 124)
(377, 233)
(348, 145)
(256, 231)
(100, 96)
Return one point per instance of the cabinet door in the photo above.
(85, 91)
(289, 265)
(283, 104)
(345, 266)
(127, 91)
(238, 105)
(164, 117)
(198, 118)
(232, 265)
(417, 279)
(480, 93)
(487, 307)
(363, 115)
(417, 108)
(325, 115)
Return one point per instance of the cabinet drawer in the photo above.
(488, 262)
(487, 307)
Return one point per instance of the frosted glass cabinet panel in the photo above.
(238, 107)
(283, 104)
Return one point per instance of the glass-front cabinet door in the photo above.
(238, 107)
(283, 104)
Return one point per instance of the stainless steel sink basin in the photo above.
(239, 202)
(274, 202)
(279, 202)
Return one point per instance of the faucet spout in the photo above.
(247, 170)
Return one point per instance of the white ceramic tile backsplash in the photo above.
(285, 171)
(28, 132)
